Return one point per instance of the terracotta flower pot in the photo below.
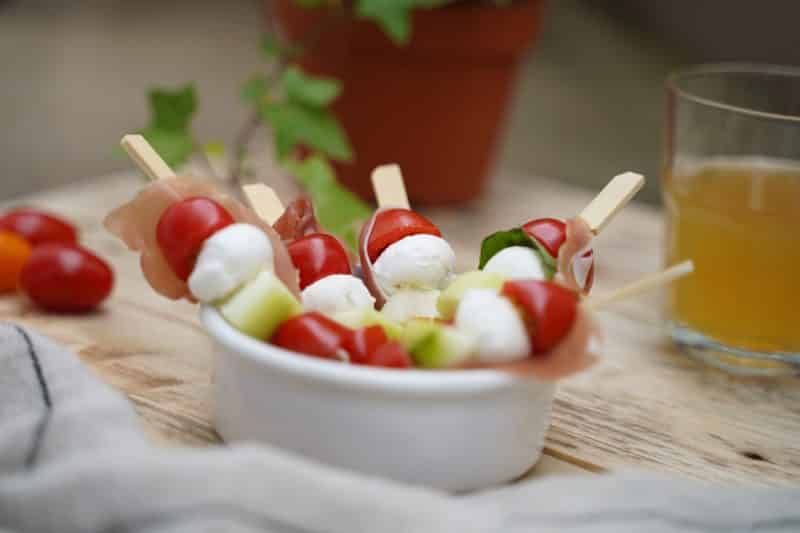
(435, 106)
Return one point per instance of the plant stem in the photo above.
(246, 132)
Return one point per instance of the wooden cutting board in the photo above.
(645, 406)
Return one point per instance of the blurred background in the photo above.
(588, 101)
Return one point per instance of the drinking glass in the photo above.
(731, 187)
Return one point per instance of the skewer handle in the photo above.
(649, 282)
(146, 158)
(264, 201)
(390, 191)
(614, 196)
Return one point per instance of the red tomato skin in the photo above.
(549, 233)
(312, 334)
(183, 228)
(390, 355)
(66, 278)
(38, 227)
(318, 255)
(392, 225)
(548, 309)
(363, 342)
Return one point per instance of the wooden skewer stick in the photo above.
(390, 191)
(264, 201)
(649, 282)
(146, 158)
(614, 196)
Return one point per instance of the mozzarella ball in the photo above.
(418, 261)
(229, 258)
(411, 303)
(517, 262)
(337, 293)
(500, 332)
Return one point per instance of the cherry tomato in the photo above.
(14, 252)
(550, 233)
(38, 227)
(318, 255)
(314, 334)
(183, 228)
(390, 355)
(363, 342)
(394, 224)
(66, 278)
(548, 309)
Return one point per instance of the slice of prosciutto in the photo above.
(366, 263)
(297, 220)
(576, 257)
(135, 224)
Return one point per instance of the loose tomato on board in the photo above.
(38, 227)
(548, 310)
(314, 334)
(392, 225)
(66, 278)
(318, 255)
(183, 228)
(14, 252)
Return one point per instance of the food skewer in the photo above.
(264, 201)
(146, 158)
(610, 200)
(644, 284)
(389, 188)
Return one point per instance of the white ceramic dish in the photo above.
(453, 430)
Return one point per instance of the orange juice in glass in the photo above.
(731, 188)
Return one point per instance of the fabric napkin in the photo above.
(73, 458)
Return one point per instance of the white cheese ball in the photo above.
(517, 262)
(418, 261)
(411, 303)
(229, 258)
(501, 334)
(337, 293)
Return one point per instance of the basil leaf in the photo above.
(500, 240)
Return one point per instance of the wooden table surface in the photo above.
(644, 406)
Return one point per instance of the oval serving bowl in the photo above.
(453, 430)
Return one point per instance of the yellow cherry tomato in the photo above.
(14, 251)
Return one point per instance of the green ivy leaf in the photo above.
(338, 210)
(174, 147)
(254, 90)
(310, 3)
(270, 45)
(501, 240)
(314, 91)
(393, 16)
(172, 110)
(294, 124)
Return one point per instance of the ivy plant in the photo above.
(294, 105)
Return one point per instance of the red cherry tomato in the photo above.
(548, 309)
(362, 343)
(550, 233)
(312, 334)
(38, 227)
(318, 255)
(66, 278)
(390, 355)
(394, 224)
(183, 228)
